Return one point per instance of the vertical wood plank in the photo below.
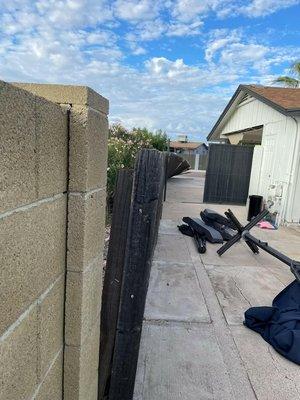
(113, 278)
(144, 217)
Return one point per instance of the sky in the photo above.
(170, 65)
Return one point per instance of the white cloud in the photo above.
(162, 67)
(243, 53)
(75, 42)
(240, 53)
(189, 10)
(220, 39)
(259, 8)
(136, 10)
(180, 29)
(136, 49)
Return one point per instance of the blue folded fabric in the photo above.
(279, 325)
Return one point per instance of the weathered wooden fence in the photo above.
(175, 164)
(136, 214)
(113, 278)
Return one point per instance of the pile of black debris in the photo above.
(212, 227)
(278, 324)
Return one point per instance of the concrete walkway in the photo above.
(194, 346)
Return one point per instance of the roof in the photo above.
(284, 100)
(186, 145)
(287, 98)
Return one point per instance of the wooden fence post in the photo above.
(143, 224)
(113, 278)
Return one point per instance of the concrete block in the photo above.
(19, 359)
(81, 367)
(86, 228)
(68, 94)
(88, 149)
(83, 302)
(51, 323)
(52, 142)
(32, 249)
(17, 147)
(88, 131)
(51, 387)
(93, 390)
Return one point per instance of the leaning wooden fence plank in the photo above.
(113, 278)
(141, 237)
(176, 165)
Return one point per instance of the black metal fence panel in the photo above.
(228, 174)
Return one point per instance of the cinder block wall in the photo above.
(53, 153)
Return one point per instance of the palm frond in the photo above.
(296, 68)
(287, 81)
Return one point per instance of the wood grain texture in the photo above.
(145, 213)
(113, 277)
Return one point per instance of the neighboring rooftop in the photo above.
(185, 145)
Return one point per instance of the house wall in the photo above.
(249, 114)
(52, 203)
(293, 212)
(273, 170)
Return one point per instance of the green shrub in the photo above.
(123, 146)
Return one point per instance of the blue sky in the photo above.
(170, 65)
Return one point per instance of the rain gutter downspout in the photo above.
(292, 192)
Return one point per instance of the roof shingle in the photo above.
(288, 98)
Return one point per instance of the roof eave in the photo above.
(225, 111)
(293, 112)
(246, 89)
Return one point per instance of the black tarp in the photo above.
(279, 325)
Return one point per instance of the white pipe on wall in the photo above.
(289, 204)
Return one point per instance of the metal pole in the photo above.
(238, 236)
(264, 245)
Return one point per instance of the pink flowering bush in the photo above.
(123, 145)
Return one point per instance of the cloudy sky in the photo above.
(163, 64)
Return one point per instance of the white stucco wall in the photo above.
(275, 171)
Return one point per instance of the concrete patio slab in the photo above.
(238, 254)
(171, 248)
(282, 273)
(169, 227)
(181, 362)
(174, 294)
(239, 287)
(194, 346)
(272, 376)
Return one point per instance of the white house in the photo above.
(269, 118)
